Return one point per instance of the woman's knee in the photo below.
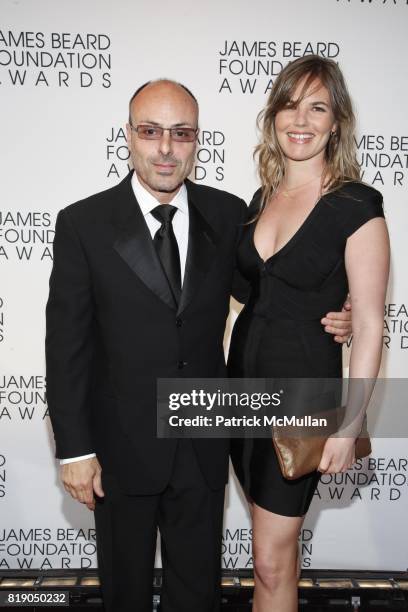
(274, 571)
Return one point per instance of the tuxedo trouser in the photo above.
(189, 516)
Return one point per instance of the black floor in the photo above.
(319, 591)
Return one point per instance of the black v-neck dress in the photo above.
(279, 334)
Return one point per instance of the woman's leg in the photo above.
(275, 554)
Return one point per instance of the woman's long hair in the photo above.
(340, 156)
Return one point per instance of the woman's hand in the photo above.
(338, 455)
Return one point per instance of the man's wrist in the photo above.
(73, 459)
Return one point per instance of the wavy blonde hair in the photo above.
(341, 163)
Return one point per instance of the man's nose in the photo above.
(165, 143)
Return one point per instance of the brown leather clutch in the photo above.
(298, 456)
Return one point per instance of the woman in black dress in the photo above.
(315, 232)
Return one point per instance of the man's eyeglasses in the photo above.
(155, 132)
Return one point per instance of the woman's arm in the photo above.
(367, 259)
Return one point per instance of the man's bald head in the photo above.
(158, 82)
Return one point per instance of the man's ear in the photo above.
(128, 135)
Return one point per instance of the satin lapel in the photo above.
(134, 244)
(202, 246)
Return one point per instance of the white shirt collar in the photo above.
(148, 202)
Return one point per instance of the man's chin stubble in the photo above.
(164, 189)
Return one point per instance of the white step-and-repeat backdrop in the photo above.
(67, 70)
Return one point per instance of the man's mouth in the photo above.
(164, 167)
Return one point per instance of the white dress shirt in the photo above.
(147, 202)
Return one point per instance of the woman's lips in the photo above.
(300, 137)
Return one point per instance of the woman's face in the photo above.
(303, 130)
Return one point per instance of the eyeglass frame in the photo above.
(134, 128)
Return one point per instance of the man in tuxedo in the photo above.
(140, 290)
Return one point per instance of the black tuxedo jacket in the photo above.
(113, 329)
